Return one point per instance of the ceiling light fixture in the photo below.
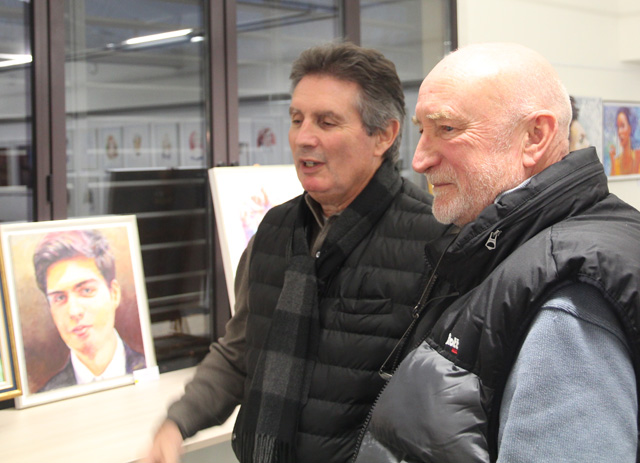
(165, 36)
(7, 60)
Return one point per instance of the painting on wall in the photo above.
(78, 303)
(267, 141)
(586, 124)
(137, 146)
(110, 155)
(241, 198)
(192, 144)
(165, 146)
(621, 145)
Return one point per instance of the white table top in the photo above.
(114, 426)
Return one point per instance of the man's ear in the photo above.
(386, 137)
(540, 132)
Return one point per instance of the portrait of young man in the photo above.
(76, 290)
(76, 271)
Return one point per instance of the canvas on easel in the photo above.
(241, 198)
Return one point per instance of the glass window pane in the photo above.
(271, 34)
(135, 99)
(415, 35)
(16, 166)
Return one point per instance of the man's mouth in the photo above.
(80, 330)
(310, 163)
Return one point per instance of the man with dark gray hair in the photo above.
(327, 285)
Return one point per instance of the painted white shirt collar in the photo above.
(117, 366)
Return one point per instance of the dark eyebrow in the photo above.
(85, 282)
(76, 286)
(53, 293)
(318, 115)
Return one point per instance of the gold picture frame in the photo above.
(10, 385)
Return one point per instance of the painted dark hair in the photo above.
(61, 245)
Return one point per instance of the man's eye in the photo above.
(87, 291)
(447, 128)
(58, 299)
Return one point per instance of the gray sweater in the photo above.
(574, 341)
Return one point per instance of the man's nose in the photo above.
(75, 308)
(424, 156)
(306, 135)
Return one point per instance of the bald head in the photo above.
(490, 116)
(515, 79)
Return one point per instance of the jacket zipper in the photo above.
(392, 359)
(386, 375)
(416, 313)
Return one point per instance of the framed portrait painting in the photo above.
(137, 146)
(621, 145)
(166, 144)
(586, 124)
(267, 141)
(241, 198)
(192, 143)
(110, 155)
(9, 375)
(78, 304)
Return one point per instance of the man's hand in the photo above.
(167, 444)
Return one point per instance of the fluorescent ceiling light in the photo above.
(7, 60)
(158, 37)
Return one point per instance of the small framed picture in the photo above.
(110, 153)
(9, 375)
(137, 146)
(78, 304)
(241, 198)
(192, 143)
(165, 147)
(621, 145)
(267, 141)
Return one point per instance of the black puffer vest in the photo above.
(442, 404)
(364, 308)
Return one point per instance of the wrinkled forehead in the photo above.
(449, 92)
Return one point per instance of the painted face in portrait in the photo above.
(624, 128)
(82, 304)
(577, 137)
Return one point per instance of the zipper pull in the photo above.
(492, 241)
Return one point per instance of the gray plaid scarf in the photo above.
(266, 428)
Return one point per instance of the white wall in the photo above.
(594, 45)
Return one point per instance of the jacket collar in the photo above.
(560, 191)
(357, 220)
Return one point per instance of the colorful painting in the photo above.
(621, 123)
(586, 124)
(241, 198)
(78, 301)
